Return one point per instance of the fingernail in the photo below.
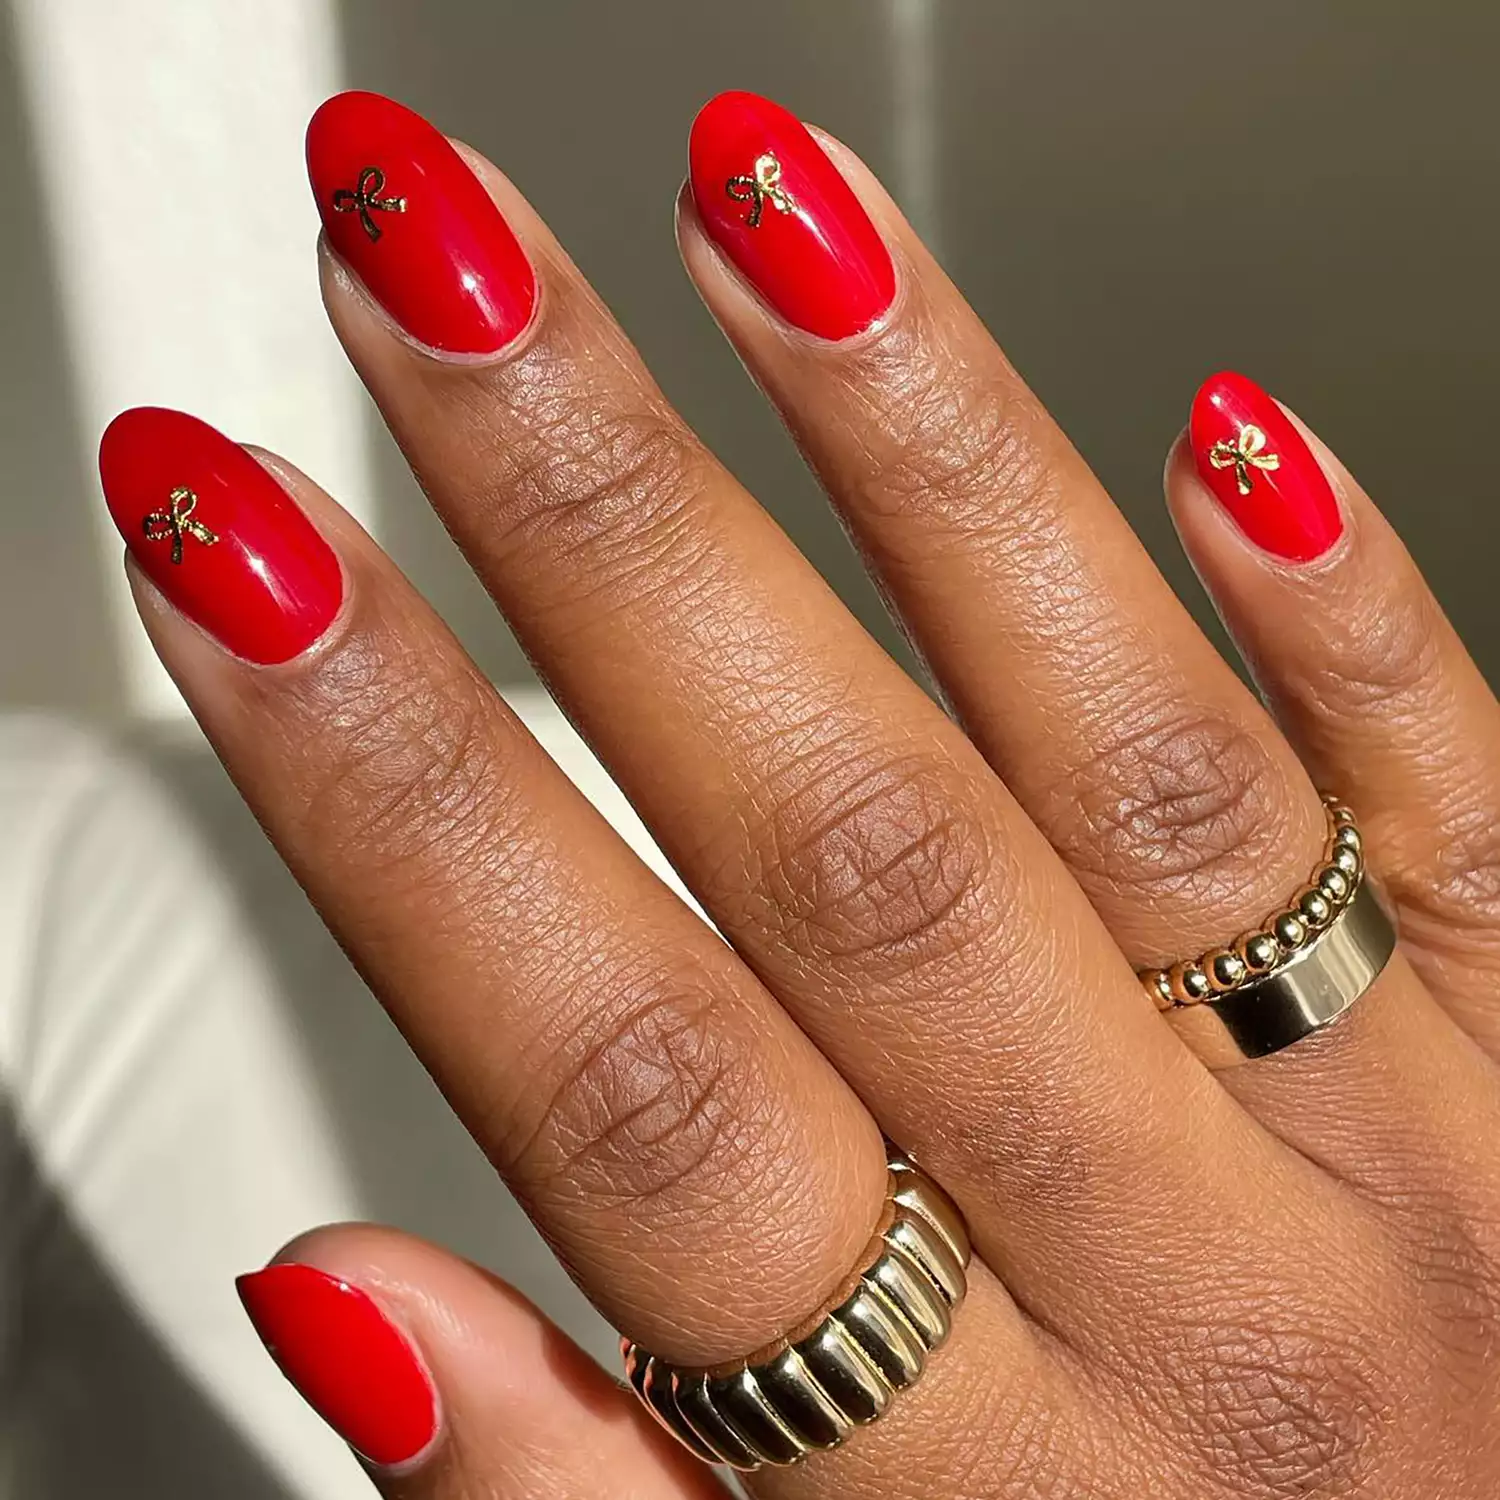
(1252, 457)
(773, 201)
(349, 1361)
(404, 211)
(217, 535)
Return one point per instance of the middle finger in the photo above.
(839, 828)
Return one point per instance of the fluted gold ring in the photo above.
(1296, 972)
(808, 1392)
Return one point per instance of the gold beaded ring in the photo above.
(1298, 971)
(846, 1365)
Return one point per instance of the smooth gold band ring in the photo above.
(809, 1391)
(1296, 973)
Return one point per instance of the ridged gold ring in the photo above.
(1295, 973)
(843, 1368)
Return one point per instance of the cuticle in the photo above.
(797, 336)
(513, 348)
(1306, 569)
(428, 1451)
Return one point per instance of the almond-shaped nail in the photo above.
(220, 538)
(404, 211)
(1259, 467)
(353, 1366)
(771, 198)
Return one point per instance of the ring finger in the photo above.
(1166, 788)
(1374, 687)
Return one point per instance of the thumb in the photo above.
(448, 1383)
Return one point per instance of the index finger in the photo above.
(607, 1051)
(706, 1176)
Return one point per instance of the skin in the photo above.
(1282, 1280)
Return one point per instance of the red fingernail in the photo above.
(774, 202)
(404, 211)
(1253, 458)
(349, 1361)
(217, 535)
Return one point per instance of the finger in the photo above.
(1319, 593)
(836, 825)
(697, 1164)
(1156, 776)
(1164, 785)
(448, 1383)
(1375, 690)
(611, 1056)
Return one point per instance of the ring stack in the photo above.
(809, 1392)
(1296, 972)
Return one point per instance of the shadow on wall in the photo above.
(91, 1401)
(75, 1357)
(56, 641)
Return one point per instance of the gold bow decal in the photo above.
(364, 196)
(756, 189)
(176, 522)
(1242, 455)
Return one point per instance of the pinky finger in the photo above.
(448, 1384)
(1365, 674)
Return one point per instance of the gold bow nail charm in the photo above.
(365, 196)
(757, 188)
(1242, 455)
(176, 522)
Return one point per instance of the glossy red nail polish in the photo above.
(774, 202)
(1252, 457)
(403, 210)
(349, 1361)
(217, 535)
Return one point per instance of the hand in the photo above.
(1281, 1279)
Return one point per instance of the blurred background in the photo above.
(1131, 195)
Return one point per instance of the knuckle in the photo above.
(1183, 809)
(610, 485)
(404, 757)
(1445, 875)
(1383, 662)
(880, 863)
(976, 462)
(646, 1104)
(1453, 1254)
(1276, 1404)
(1442, 869)
(1462, 1293)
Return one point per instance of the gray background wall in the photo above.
(1132, 195)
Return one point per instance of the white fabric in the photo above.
(193, 1074)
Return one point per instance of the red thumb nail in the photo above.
(349, 1361)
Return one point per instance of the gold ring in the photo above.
(1296, 973)
(810, 1390)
